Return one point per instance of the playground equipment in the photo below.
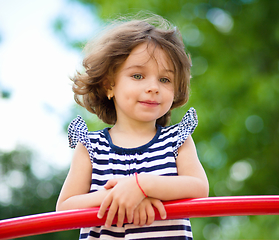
(186, 208)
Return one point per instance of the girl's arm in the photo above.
(191, 181)
(125, 195)
(74, 193)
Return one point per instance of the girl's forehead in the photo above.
(145, 52)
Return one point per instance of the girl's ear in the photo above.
(109, 89)
(110, 94)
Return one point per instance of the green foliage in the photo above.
(5, 94)
(24, 192)
(234, 46)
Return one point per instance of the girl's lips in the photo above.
(149, 103)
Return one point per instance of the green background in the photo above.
(234, 46)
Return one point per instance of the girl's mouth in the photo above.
(149, 103)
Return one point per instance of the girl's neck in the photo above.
(132, 136)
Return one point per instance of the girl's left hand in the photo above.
(144, 213)
(123, 199)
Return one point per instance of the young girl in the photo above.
(136, 73)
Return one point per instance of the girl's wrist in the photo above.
(139, 185)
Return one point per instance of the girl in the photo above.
(136, 73)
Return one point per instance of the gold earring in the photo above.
(110, 95)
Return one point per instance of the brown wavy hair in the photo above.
(107, 53)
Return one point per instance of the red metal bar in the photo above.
(192, 208)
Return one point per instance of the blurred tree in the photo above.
(234, 46)
(25, 189)
(4, 93)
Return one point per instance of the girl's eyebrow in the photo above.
(169, 70)
(142, 67)
(133, 66)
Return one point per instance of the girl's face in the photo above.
(144, 85)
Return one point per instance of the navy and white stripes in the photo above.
(158, 157)
(173, 230)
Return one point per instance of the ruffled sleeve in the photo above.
(186, 127)
(78, 132)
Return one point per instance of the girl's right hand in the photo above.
(144, 214)
(122, 200)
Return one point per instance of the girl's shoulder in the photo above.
(181, 131)
(188, 123)
(78, 132)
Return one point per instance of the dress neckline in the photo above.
(139, 149)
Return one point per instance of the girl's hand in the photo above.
(145, 214)
(123, 199)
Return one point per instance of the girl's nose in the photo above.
(152, 86)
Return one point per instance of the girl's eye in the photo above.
(164, 80)
(137, 76)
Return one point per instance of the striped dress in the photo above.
(157, 157)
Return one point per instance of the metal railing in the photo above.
(186, 208)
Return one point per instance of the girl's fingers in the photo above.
(110, 184)
(130, 214)
(105, 204)
(160, 207)
(136, 217)
(150, 215)
(120, 201)
(111, 213)
(121, 216)
(142, 217)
